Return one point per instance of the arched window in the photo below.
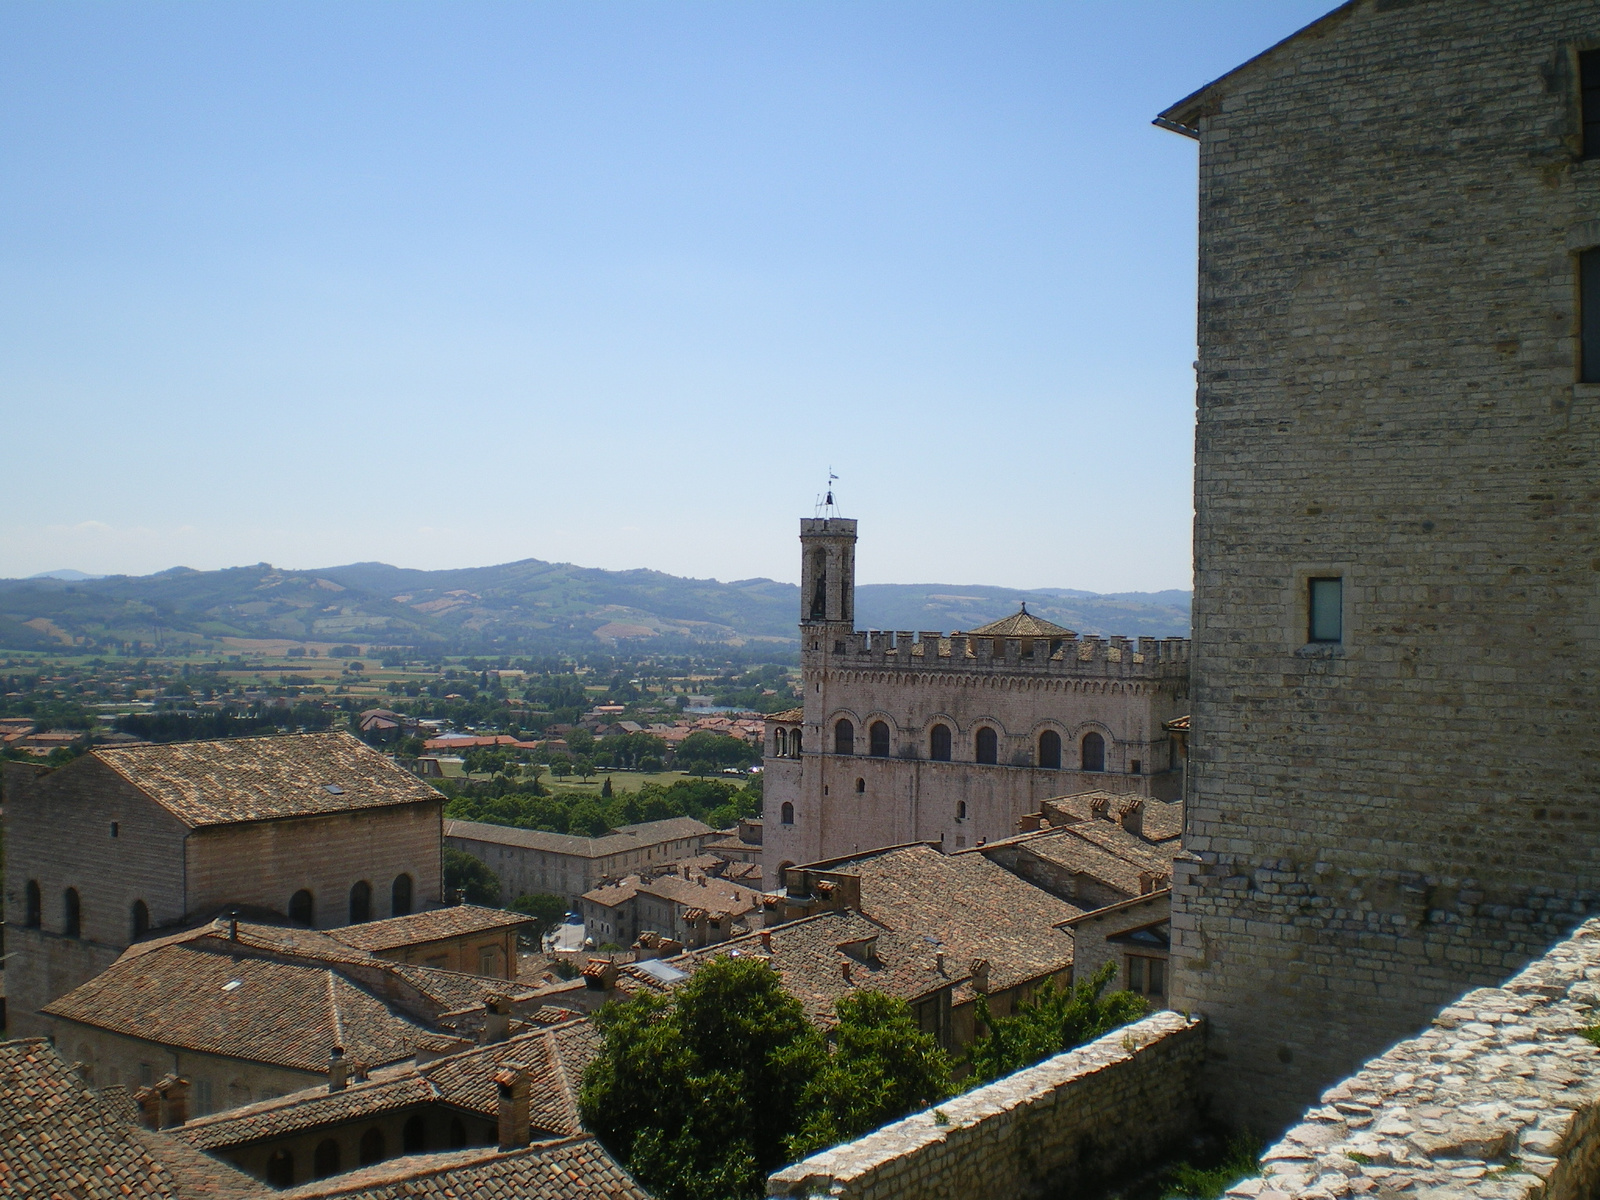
(373, 1147)
(780, 743)
(961, 810)
(1050, 750)
(71, 913)
(787, 813)
(1094, 752)
(861, 786)
(280, 1169)
(939, 743)
(458, 1134)
(360, 902)
(878, 736)
(326, 1160)
(414, 1137)
(302, 908)
(141, 919)
(988, 745)
(844, 737)
(794, 744)
(35, 905)
(400, 896)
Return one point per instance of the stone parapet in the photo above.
(1090, 1114)
(1115, 657)
(1499, 1100)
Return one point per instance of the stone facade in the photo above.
(827, 796)
(1050, 1130)
(1391, 207)
(1499, 1100)
(1134, 929)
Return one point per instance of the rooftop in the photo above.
(619, 841)
(1022, 624)
(432, 926)
(58, 1138)
(263, 778)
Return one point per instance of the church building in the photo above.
(953, 738)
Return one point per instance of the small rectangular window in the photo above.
(1135, 974)
(1327, 610)
(1589, 315)
(1589, 75)
(1157, 982)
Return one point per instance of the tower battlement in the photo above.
(1113, 657)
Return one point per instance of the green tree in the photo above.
(1056, 1018)
(883, 1067)
(471, 877)
(605, 789)
(717, 749)
(587, 819)
(699, 1092)
(546, 910)
(579, 740)
(584, 766)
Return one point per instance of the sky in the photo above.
(447, 283)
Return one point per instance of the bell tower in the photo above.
(828, 572)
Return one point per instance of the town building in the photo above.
(1136, 934)
(1393, 775)
(531, 861)
(464, 937)
(688, 906)
(123, 841)
(953, 738)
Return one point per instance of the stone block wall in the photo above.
(1498, 1100)
(1094, 1113)
(1391, 208)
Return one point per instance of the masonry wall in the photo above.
(1094, 1114)
(1390, 207)
(266, 862)
(1498, 1099)
(526, 871)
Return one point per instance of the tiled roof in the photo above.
(1101, 851)
(1162, 821)
(556, 1058)
(58, 1139)
(975, 908)
(431, 926)
(1022, 624)
(620, 841)
(264, 778)
(574, 1169)
(286, 1014)
(1178, 724)
(712, 894)
(789, 716)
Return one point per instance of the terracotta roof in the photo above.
(973, 907)
(1022, 624)
(432, 926)
(58, 1139)
(1103, 851)
(556, 1058)
(1178, 724)
(574, 1169)
(264, 778)
(1162, 821)
(789, 716)
(619, 841)
(1162, 897)
(713, 894)
(282, 1013)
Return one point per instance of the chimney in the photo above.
(844, 970)
(149, 1102)
(980, 975)
(511, 1087)
(938, 961)
(174, 1090)
(1100, 806)
(338, 1070)
(496, 1019)
(1133, 817)
(766, 941)
(233, 925)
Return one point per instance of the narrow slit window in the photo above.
(1589, 74)
(1327, 610)
(1589, 315)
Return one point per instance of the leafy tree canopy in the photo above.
(1056, 1018)
(471, 877)
(547, 911)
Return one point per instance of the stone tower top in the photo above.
(828, 571)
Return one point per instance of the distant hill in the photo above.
(520, 607)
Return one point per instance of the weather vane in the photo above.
(825, 506)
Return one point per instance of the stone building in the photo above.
(464, 937)
(953, 737)
(687, 906)
(124, 841)
(1393, 773)
(530, 861)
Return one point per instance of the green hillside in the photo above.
(527, 607)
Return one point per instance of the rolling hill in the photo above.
(521, 607)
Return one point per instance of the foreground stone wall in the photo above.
(1500, 1099)
(1096, 1112)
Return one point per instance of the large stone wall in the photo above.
(1499, 1100)
(1091, 1114)
(1391, 206)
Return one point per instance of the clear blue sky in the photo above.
(446, 284)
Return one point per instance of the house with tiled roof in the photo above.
(318, 828)
(58, 1138)
(529, 861)
(462, 937)
(445, 1105)
(689, 906)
